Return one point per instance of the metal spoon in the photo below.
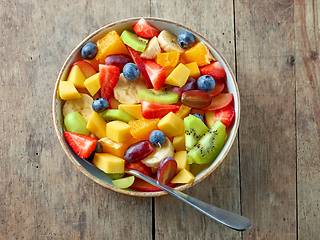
(227, 218)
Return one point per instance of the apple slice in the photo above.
(218, 102)
(218, 88)
(124, 182)
(143, 186)
(155, 110)
(86, 68)
(166, 170)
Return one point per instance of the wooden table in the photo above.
(271, 174)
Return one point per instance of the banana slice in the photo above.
(81, 105)
(159, 153)
(152, 49)
(169, 42)
(126, 91)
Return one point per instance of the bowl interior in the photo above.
(97, 175)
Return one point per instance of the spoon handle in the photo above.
(229, 219)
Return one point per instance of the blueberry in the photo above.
(206, 83)
(89, 51)
(100, 104)
(157, 137)
(98, 149)
(198, 116)
(186, 40)
(131, 71)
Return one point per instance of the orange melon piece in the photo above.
(198, 53)
(141, 128)
(168, 59)
(110, 44)
(115, 148)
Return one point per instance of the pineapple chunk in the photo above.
(92, 84)
(76, 77)
(194, 70)
(132, 109)
(178, 142)
(97, 125)
(181, 159)
(108, 163)
(118, 131)
(68, 91)
(171, 125)
(179, 76)
(184, 176)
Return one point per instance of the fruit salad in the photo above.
(149, 100)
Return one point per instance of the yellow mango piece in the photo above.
(108, 163)
(171, 125)
(184, 176)
(198, 53)
(118, 131)
(76, 77)
(132, 109)
(92, 84)
(209, 118)
(181, 159)
(68, 91)
(179, 76)
(96, 125)
(114, 148)
(178, 142)
(194, 70)
(168, 59)
(183, 111)
(141, 128)
(110, 44)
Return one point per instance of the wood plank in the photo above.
(265, 47)
(307, 21)
(221, 188)
(43, 196)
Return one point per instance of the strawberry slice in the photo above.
(81, 144)
(144, 29)
(214, 69)
(156, 73)
(225, 115)
(139, 166)
(138, 61)
(156, 110)
(109, 76)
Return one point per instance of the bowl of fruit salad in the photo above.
(150, 95)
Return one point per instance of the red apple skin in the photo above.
(218, 102)
(86, 68)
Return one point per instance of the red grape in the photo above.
(166, 170)
(118, 60)
(191, 84)
(138, 151)
(196, 99)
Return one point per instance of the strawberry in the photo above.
(82, 145)
(109, 76)
(156, 73)
(144, 29)
(156, 110)
(225, 115)
(214, 69)
(139, 166)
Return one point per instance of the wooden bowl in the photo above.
(97, 175)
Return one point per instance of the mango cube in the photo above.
(198, 53)
(179, 76)
(92, 84)
(181, 159)
(114, 148)
(68, 91)
(184, 176)
(118, 131)
(76, 77)
(96, 125)
(132, 109)
(209, 118)
(171, 125)
(194, 70)
(168, 59)
(108, 163)
(178, 142)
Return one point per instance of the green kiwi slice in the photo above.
(210, 145)
(159, 96)
(116, 114)
(134, 41)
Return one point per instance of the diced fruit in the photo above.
(76, 77)
(191, 84)
(75, 122)
(68, 91)
(184, 176)
(220, 101)
(157, 138)
(206, 83)
(116, 114)
(168, 59)
(131, 72)
(81, 144)
(169, 42)
(160, 96)
(114, 148)
(144, 29)
(196, 99)
(86, 68)
(119, 60)
(138, 151)
(110, 44)
(178, 142)
(214, 69)
(89, 51)
(152, 49)
(209, 146)
(141, 128)
(198, 53)
(183, 111)
(134, 41)
(155, 110)
(143, 186)
(118, 131)
(181, 159)
(198, 116)
(171, 125)
(156, 73)
(166, 170)
(100, 104)
(194, 70)
(194, 130)
(186, 39)
(218, 88)
(93, 84)
(179, 76)
(132, 109)
(209, 118)
(108, 163)
(109, 76)
(225, 115)
(123, 183)
(97, 125)
(140, 167)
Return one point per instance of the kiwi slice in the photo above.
(160, 96)
(116, 114)
(210, 144)
(134, 41)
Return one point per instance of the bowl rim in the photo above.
(213, 165)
